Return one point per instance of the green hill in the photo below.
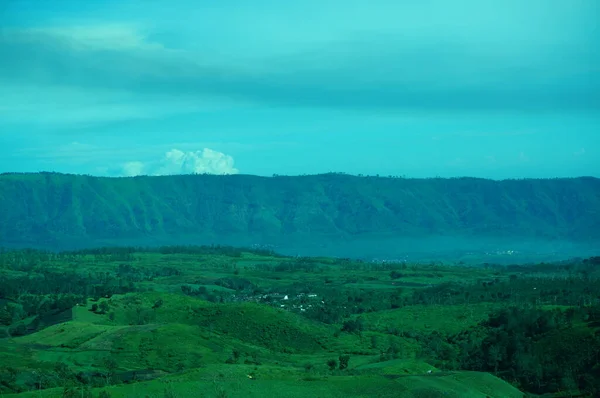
(60, 211)
(187, 333)
(255, 324)
(147, 322)
(237, 385)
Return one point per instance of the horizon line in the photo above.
(276, 175)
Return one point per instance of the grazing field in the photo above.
(228, 322)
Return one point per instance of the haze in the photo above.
(502, 89)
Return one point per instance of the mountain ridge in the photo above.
(50, 209)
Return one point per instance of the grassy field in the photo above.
(246, 324)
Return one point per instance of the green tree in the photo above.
(5, 317)
(344, 361)
(308, 367)
(62, 370)
(104, 307)
(18, 330)
(332, 363)
(111, 365)
(374, 341)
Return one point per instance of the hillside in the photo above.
(225, 322)
(72, 211)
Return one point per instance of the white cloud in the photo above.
(131, 169)
(55, 106)
(104, 36)
(179, 162)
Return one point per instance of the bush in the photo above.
(332, 363)
(308, 366)
(344, 361)
(18, 330)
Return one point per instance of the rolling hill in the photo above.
(51, 210)
(124, 322)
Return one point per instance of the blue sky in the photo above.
(421, 88)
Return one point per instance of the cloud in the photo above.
(404, 65)
(132, 169)
(105, 36)
(489, 134)
(77, 153)
(75, 107)
(178, 162)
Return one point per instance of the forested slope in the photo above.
(51, 209)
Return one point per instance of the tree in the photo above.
(494, 357)
(62, 370)
(5, 317)
(332, 363)
(18, 330)
(111, 365)
(344, 361)
(158, 304)
(353, 326)
(374, 341)
(104, 307)
(69, 392)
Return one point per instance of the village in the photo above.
(300, 302)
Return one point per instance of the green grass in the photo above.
(446, 319)
(199, 348)
(371, 285)
(398, 367)
(233, 382)
(69, 334)
(195, 334)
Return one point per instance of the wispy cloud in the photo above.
(369, 70)
(73, 107)
(95, 37)
(77, 149)
(488, 134)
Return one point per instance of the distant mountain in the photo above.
(59, 211)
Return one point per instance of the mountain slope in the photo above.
(62, 211)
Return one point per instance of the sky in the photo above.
(417, 88)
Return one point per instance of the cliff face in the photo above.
(50, 209)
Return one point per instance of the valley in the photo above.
(218, 321)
